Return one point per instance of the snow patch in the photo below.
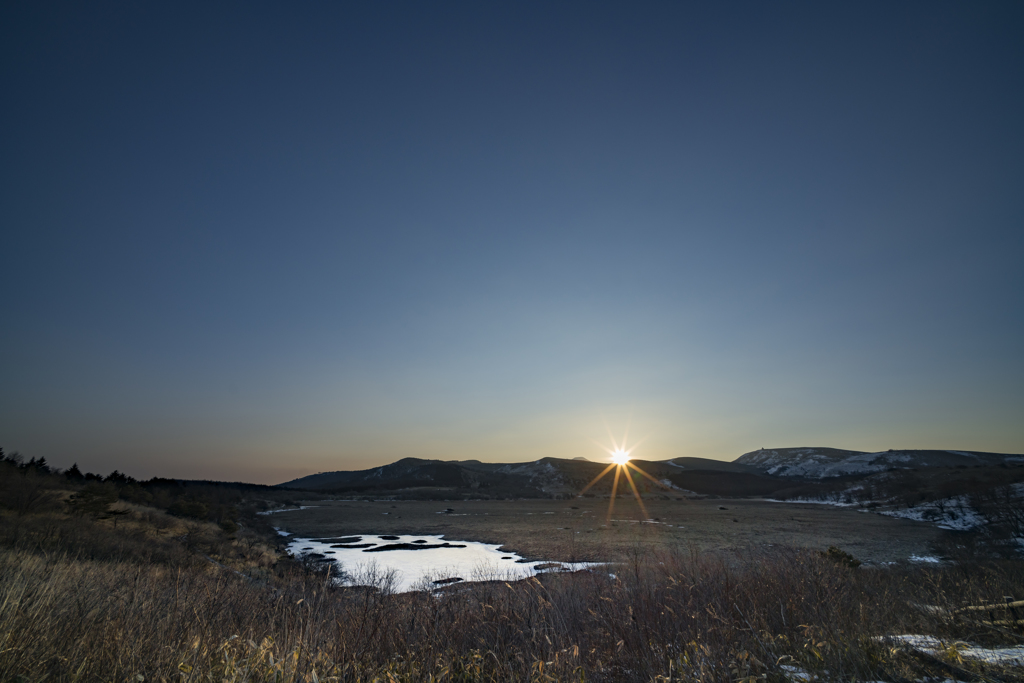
(988, 655)
(795, 673)
(274, 512)
(814, 501)
(418, 569)
(927, 559)
(955, 514)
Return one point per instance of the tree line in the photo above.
(33, 485)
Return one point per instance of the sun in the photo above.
(621, 464)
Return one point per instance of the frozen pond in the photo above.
(422, 562)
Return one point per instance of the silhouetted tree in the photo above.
(14, 458)
(39, 466)
(74, 474)
(116, 477)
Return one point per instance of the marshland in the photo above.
(164, 581)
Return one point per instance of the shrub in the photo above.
(841, 557)
(188, 507)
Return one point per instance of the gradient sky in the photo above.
(252, 241)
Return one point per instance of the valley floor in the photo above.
(580, 530)
(710, 590)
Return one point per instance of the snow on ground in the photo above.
(798, 675)
(669, 485)
(927, 559)
(1013, 656)
(416, 569)
(1005, 656)
(301, 507)
(953, 513)
(810, 462)
(815, 501)
(795, 673)
(820, 463)
(862, 463)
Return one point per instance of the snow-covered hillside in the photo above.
(818, 463)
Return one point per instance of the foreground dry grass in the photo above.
(155, 609)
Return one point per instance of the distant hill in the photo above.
(819, 463)
(414, 477)
(707, 464)
(544, 478)
(778, 472)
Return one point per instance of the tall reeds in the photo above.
(653, 615)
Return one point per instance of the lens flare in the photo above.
(620, 456)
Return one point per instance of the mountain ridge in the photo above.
(765, 472)
(822, 463)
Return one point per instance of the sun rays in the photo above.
(621, 464)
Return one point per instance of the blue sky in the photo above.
(254, 241)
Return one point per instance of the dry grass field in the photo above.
(198, 589)
(577, 530)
